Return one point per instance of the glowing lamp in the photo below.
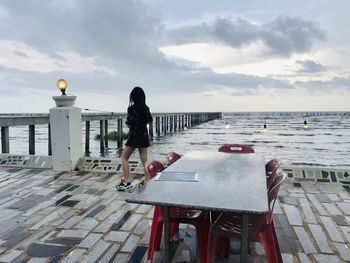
(305, 124)
(62, 86)
(264, 128)
(227, 126)
(185, 128)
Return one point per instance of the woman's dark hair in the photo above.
(138, 99)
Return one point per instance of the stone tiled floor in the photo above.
(47, 216)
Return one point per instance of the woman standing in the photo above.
(138, 117)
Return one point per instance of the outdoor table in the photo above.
(226, 182)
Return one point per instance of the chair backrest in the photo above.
(236, 148)
(154, 167)
(271, 170)
(172, 157)
(273, 192)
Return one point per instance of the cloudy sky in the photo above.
(188, 55)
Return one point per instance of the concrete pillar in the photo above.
(66, 133)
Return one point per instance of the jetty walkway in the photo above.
(48, 216)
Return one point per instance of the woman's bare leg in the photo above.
(125, 162)
(143, 157)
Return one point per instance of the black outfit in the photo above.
(137, 122)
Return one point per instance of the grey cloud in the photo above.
(115, 30)
(309, 66)
(283, 36)
(335, 83)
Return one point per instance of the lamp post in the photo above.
(66, 131)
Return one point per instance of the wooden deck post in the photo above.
(120, 133)
(158, 126)
(171, 123)
(5, 140)
(32, 139)
(106, 133)
(102, 144)
(87, 138)
(49, 146)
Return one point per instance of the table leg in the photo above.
(166, 218)
(244, 240)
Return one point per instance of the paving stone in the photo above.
(87, 224)
(345, 207)
(71, 222)
(323, 198)
(332, 209)
(333, 197)
(130, 243)
(121, 258)
(107, 224)
(344, 251)
(90, 240)
(347, 219)
(38, 260)
(322, 258)
(94, 253)
(131, 222)
(44, 250)
(340, 220)
(142, 226)
(307, 211)
(118, 225)
(74, 256)
(143, 209)
(285, 225)
(276, 208)
(287, 258)
(320, 238)
(331, 229)
(304, 258)
(288, 200)
(109, 254)
(117, 236)
(293, 215)
(59, 212)
(73, 233)
(10, 256)
(304, 240)
(346, 231)
(317, 204)
(110, 210)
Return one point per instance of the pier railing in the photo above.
(163, 124)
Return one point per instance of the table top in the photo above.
(226, 182)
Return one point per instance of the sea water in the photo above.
(326, 141)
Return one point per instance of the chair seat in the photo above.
(231, 225)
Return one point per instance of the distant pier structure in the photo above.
(163, 124)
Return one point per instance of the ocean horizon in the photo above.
(325, 143)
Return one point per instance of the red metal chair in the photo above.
(236, 148)
(177, 215)
(271, 171)
(261, 227)
(172, 157)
